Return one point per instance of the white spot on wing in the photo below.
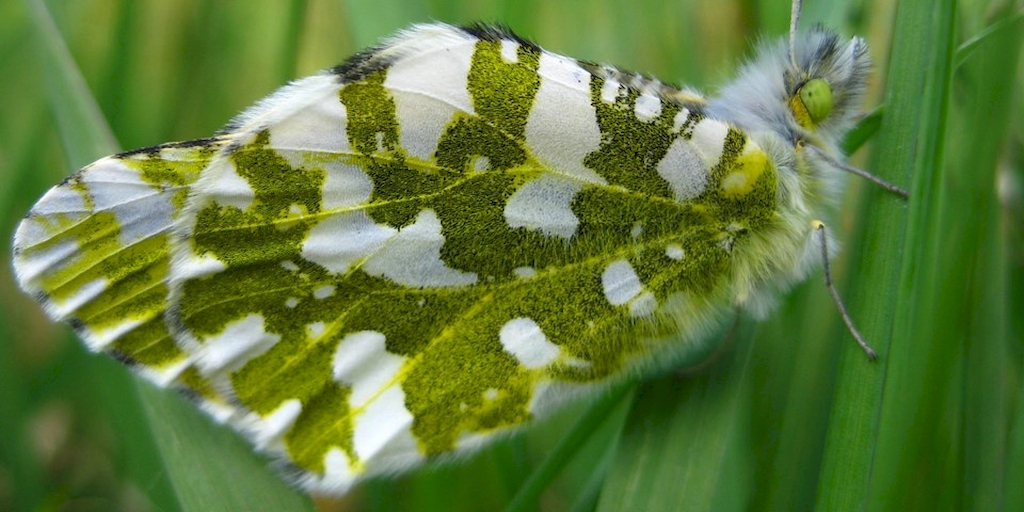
(362, 361)
(524, 272)
(345, 185)
(562, 128)
(674, 251)
(681, 117)
(620, 282)
(341, 240)
(428, 90)
(324, 291)
(337, 468)
(543, 204)
(643, 305)
(219, 411)
(508, 51)
(43, 258)
(141, 210)
(101, 338)
(481, 163)
(647, 107)
(413, 257)
(524, 339)
(684, 169)
(315, 330)
(65, 200)
(193, 266)
(709, 140)
(610, 90)
(311, 119)
(383, 429)
(239, 342)
(221, 184)
(272, 427)
(83, 295)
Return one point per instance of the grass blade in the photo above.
(683, 446)
(84, 132)
(908, 148)
(210, 467)
(971, 212)
(542, 476)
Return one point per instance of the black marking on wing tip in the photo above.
(123, 358)
(289, 471)
(640, 82)
(148, 151)
(153, 151)
(497, 32)
(190, 394)
(360, 65)
(192, 143)
(234, 145)
(199, 399)
(73, 177)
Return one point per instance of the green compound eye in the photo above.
(816, 95)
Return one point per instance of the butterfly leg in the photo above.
(820, 228)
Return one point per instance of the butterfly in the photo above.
(445, 238)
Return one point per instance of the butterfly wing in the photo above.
(406, 255)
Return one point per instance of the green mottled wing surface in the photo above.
(400, 257)
(95, 251)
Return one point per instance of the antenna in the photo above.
(794, 21)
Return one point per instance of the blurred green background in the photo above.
(789, 415)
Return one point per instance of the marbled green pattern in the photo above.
(458, 376)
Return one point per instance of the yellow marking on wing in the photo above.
(748, 168)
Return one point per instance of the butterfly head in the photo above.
(824, 82)
(808, 91)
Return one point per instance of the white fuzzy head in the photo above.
(770, 94)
